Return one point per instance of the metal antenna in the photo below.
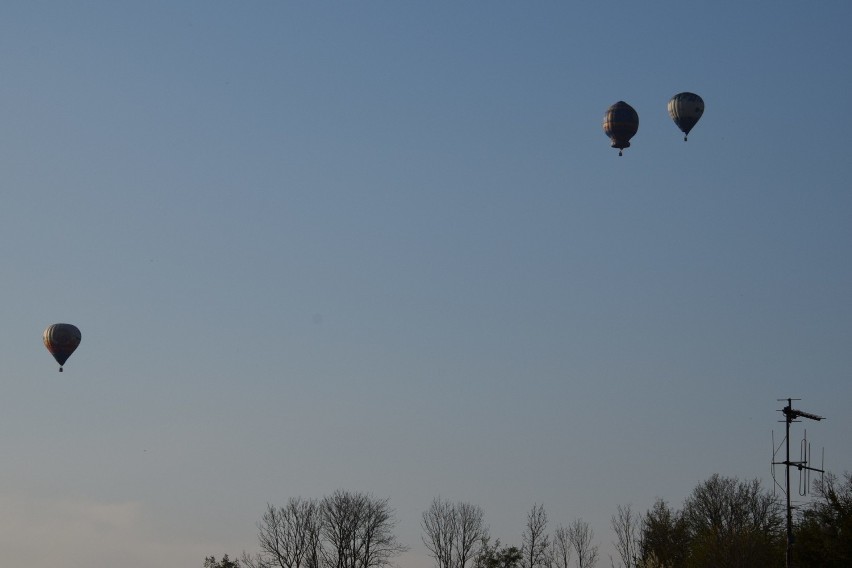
(790, 415)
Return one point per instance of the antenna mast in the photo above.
(791, 415)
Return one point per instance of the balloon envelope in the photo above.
(686, 109)
(61, 339)
(621, 122)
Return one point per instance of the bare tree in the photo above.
(453, 532)
(626, 525)
(341, 516)
(470, 533)
(313, 538)
(379, 543)
(357, 531)
(560, 550)
(581, 534)
(535, 542)
(439, 527)
(344, 530)
(732, 523)
(283, 535)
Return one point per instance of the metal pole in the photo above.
(789, 417)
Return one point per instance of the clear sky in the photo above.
(386, 247)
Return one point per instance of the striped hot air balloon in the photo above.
(686, 109)
(621, 122)
(61, 339)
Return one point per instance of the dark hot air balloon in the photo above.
(686, 109)
(621, 122)
(61, 339)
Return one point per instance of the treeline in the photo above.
(723, 523)
(736, 524)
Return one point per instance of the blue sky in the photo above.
(386, 247)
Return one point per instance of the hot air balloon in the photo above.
(61, 339)
(685, 109)
(621, 122)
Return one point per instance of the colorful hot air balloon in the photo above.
(61, 339)
(685, 109)
(621, 122)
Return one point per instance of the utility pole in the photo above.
(791, 415)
